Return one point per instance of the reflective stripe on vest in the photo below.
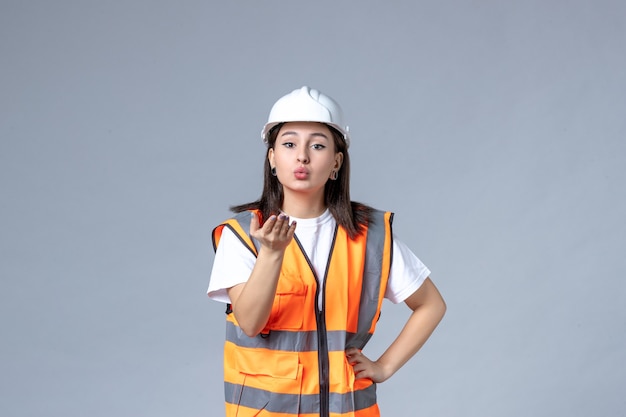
(297, 365)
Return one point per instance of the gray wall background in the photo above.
(494, 130)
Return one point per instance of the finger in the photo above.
(361, 375)
(354, 360)
(254, 223)
(358, 361)
(269, 224)
(353, 352)
(284, 223)
(292, 230)
(360, 371)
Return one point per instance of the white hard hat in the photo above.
(306, 105)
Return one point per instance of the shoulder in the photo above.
(381, 214)
(238, 219)
(365, 214)
(239, 225)
(379, 217)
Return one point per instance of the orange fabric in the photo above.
(288, 381)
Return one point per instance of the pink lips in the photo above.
(301, 173)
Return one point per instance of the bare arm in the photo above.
(252, 300)
(428, 310)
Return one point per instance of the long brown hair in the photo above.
(351, 215)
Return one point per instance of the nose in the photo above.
(303, 155)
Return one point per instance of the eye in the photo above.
(288, 144)
(318, 146)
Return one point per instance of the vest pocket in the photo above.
(289, 301)
(270, 381)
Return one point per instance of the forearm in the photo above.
(254, 300)
(420, 325)
(428, 310)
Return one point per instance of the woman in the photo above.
(304, 271)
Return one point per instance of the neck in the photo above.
(303, 206)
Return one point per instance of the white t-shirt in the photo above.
(234, 262)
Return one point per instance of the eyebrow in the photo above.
(291, 132)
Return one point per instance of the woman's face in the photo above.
(304, 157)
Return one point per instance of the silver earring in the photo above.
(273, 171)
(333, 175)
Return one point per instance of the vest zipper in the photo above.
(323, 365)
(322, 337)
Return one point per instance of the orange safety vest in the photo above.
(297, 366)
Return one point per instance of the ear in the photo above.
(270, 157)
(338, 160)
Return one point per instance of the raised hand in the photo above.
(276, 232)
